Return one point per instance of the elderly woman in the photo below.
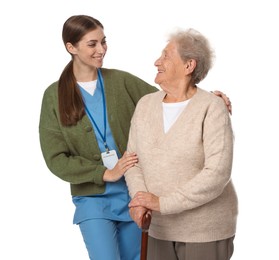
(184, 141)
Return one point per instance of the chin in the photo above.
(98, 66)
(157, 81)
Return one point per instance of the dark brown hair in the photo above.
(71, 108)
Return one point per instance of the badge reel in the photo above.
(110, 159)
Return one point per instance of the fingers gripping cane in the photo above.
(145, 222)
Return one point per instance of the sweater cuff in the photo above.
(163, 205)
(167, 206)
(98, 176)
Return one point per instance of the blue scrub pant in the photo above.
(111, 240)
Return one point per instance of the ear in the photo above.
(189, 66)
(70, 48)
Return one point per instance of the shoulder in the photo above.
(204, 94)
(152, 97)
(210, 107)
(50, 95)
(150, 100)
(209, 99)
(122, 76)
(123, 80)
(117, 73)
(51, 89)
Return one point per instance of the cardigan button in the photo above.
(96, 157)
(88, 129)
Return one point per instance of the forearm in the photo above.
(134, 180)
(134, 176)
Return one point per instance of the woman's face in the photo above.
(91, 49)
(170, 67)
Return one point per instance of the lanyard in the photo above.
(103, 136)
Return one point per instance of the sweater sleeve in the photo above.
(134, 177)
(210, 182)
(62, 161)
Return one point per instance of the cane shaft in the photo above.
(144, 241)
(145, 222)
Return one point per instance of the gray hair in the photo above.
(193, 45)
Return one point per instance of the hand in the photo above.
(147, 200)
(124, 163)
(137, 214)
(146, 221)
(225, 98)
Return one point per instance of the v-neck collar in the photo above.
(94, 101)
(159, 118)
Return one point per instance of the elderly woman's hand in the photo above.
(137, 214)
(147, 200)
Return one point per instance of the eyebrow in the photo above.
(95, 40)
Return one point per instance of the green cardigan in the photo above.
(72, 153)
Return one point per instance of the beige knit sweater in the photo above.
(189, 168)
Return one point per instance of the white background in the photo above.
(36, 208)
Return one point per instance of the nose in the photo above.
(157, 62)
(101, 48)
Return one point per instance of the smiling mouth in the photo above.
(99, 58)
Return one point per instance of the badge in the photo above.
(110, 159)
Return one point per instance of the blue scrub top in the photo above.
(113, 203)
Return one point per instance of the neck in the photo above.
(84, 74)
(179, 96)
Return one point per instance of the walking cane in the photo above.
(145, 222)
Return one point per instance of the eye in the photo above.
(92, 45)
